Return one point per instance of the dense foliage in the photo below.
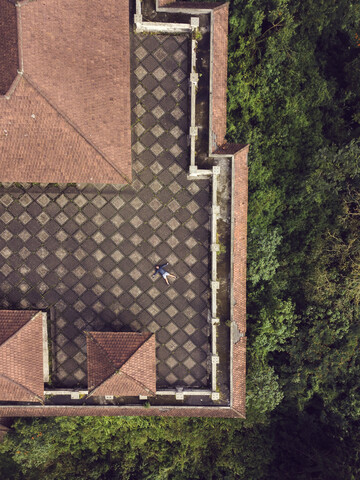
(294, 95)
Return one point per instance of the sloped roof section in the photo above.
(219, 74)
(121, 363)
(75, 62)
(39, 143)
(12, 320)
(239, 377)
(21, 356)
(8, 45)
(240, 236)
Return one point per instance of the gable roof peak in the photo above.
(121, 363)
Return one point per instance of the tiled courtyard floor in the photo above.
(88, 251)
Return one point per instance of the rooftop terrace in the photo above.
(85, 253)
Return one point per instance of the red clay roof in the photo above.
(240, 236)
(233, 149)
(9, 62)
(219, 75)
(68, 120)
(240, 201)
(239, 377)
(21, 356)
(121, 363)
(107, 410)
(239, 153)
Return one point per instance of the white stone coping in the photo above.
(72, 392)
(158, 27)
(188, 392)
(45, 349)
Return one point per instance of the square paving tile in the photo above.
(89, 251)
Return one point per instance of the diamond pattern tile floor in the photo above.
(88, 251)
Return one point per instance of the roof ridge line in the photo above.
(72, 125)
(90, 394)
(138, 348)
(128, 360)
(103, 349)
(238, 411)
(88, 333)
(22, 387)
(118, 370)
(135, 380)
(19, 330)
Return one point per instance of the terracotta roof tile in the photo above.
(219, 74)
(12, 320)
(102, 410)
(119, 346)
(75, 111)
(121, 363)
(21, 357)
(40, 144)
(142, 365)
(99, 365)
(239, 376)
(240, 201)
(120, 384)
(230, 148)
(9, 61)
